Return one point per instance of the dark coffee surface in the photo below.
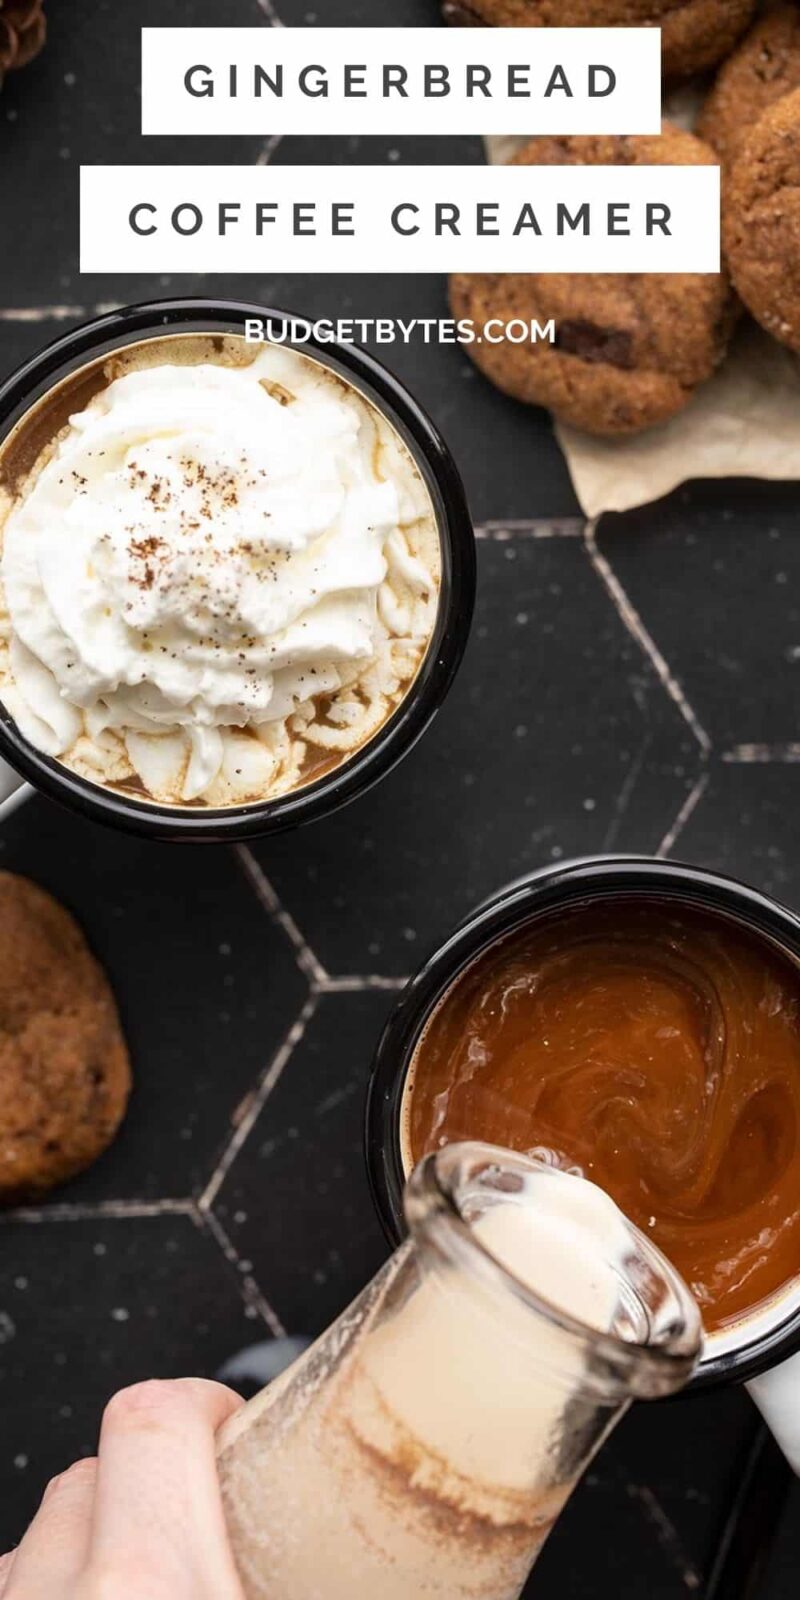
(636, 694)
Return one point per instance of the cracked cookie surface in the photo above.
(64, 1068)
(761, 221)
(630, 349)
(764, 68)
(695, 34)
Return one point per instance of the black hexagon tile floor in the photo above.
(557, 740)
(254, 984)
(715, 579)
(745, 823)
(191, 957)
(313, 1242)
(156, 1298)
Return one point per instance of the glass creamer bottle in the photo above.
(428, 1441)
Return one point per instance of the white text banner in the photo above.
(395, 81)
(315, 219)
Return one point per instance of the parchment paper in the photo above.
(745, 422)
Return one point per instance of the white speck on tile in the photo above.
(7, 1328)
(20, 1462)
(21, 1283)
(120, 1314)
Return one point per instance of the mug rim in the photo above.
(160, 318)
(550, 888)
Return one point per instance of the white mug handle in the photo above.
(777, 1395)
(13, 790)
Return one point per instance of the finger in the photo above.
(6, 1563)
(54, 1550)
(158, 1521)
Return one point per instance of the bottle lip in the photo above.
(646, 1369)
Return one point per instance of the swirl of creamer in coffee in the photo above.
(654, 1048)
(221, 576)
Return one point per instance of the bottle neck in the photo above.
(553, 1263)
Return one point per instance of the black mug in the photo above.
(764, 1350)
(133, 324)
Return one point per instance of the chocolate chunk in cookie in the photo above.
(695, 34)
(630, 349)
(64, 1069)
(764, 68)
(761, 220)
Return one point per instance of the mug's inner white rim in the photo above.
(749, 1331)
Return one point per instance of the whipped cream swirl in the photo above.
(222, 576)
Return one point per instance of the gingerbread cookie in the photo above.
(64, 1069)
(764, 68)
(630, 349)
(695, 34)
(761, 220)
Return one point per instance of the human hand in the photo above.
(143, 1520)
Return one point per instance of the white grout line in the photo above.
(541, 528)
(625, 794)
(692, 800)
(55, 313)
(746, 754)
(100, 1210)
(633, 622)
(253, 1105)
(268, 149)
(667, 1534)
(271, 15)
(358, 984)
(251, 1293)
(321, 981)
(306, 959)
